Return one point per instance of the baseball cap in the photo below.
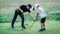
(36, 5)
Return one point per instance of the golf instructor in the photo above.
(21, 9)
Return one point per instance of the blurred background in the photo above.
(7, 9)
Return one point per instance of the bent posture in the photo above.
(21, 9)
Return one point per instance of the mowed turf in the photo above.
(52, 27)
(51, 7)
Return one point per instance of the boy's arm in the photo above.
(37, 16)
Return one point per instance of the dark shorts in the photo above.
(43, 20)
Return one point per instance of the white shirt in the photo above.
(41, 12)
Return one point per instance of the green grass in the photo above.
(52, 27)
(51, 7)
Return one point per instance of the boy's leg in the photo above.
(42, 24)
(41, 27)
(14, 18)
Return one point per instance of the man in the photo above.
(21, 9)
(43, 16)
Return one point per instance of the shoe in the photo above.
(41, 30)
(44, 29)
(23, 27)
(12, 26)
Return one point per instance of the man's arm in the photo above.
(32, 15)
(20, 9)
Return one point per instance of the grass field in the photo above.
(51, 7)
(52, 27)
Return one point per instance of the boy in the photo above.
(21, 9)
(43, 16)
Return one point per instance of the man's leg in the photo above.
(14, 18)
(22, 17)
